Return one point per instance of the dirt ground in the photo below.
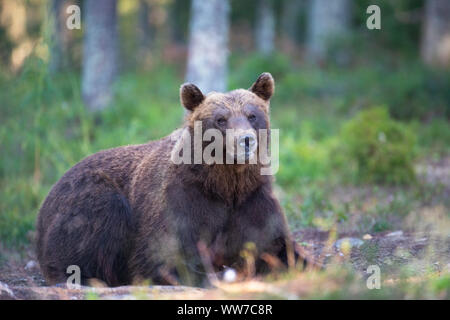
(21, 279)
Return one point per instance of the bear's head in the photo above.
(238, 116)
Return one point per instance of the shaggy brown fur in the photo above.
(128, 214)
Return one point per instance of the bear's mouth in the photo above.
(240, 156)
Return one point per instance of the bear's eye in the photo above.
(251, 118)
(221, 121)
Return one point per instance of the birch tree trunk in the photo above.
(265, 28)
(436, 33)
(328, 20)
(99, 53)
(208, 45)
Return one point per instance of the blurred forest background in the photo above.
(363, 114)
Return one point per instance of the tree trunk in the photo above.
(208, 45)
(58, 52)
(265, 28)
(436, 33)
(145, 30)
(177, 29)
(290, 19)
(100, 53)
(327, 21)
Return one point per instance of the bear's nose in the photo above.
(247, 141)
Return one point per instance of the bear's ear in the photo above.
(264, 86)
(190, 96)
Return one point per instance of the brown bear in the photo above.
(130, 213)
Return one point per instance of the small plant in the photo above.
(381, 147)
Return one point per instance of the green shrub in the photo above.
(416, 92)
(381, 147)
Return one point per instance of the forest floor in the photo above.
(21, 279)
(407, 256)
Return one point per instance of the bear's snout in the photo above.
(248, 142)
(244, 144)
